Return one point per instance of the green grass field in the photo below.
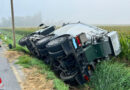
(109, 75)
(124, 35)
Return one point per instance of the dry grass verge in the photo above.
(12, 55)
(35, 80)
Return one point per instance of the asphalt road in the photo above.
(6, 74)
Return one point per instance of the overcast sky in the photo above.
(88, 11)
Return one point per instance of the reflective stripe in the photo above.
(74, 43)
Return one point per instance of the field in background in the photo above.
(120, 29)
(109, 75)
(124, 35)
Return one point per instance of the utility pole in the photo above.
(13, 25)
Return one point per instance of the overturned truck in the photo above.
(73, 50)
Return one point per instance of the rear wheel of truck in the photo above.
(41, 43)
(55, 44)
(66, 77)
(58, 54)
(37, 38)
(22, 41)
(55, 65)
(42, 53)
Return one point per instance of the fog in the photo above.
(22, 21)
(32, 12)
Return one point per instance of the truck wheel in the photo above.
(67, 77)
(42, 52)
(37, 38)
(56, 67)
(41, 43)
(55, 44)
(58, 54)
(22, 41)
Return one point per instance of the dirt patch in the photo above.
(35, 80)
(12, 55)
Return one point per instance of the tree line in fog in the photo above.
(26, 21)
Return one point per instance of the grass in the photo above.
(6, 36)
(29, 61)
(125, 46)
(109, 75)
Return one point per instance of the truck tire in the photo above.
(41, 43)
(47, 30)
(55, 44)
(58, 54)
(37, 38)
(67, 77)
(22, 41)
(55, 66)
(42, 52)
